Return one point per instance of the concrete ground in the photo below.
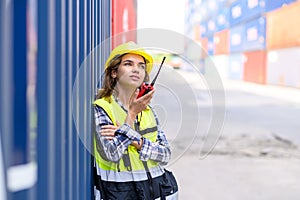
(237, 177)
(257, 155)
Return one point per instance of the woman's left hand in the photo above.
(108, 131)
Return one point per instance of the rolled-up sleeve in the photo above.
(113, 149)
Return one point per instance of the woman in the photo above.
(130, 146)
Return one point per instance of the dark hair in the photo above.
(109, 83)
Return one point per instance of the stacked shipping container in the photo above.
(254, 39)
(283, 44)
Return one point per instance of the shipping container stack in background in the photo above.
(194, 29)
(214, 29)
(252, 40)
(283, 44)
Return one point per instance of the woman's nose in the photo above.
(136, 68)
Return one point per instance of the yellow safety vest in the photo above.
(147, 128)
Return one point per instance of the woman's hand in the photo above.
(138, 105)
(108, 131)
(137, 145)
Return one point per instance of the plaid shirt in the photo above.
(113, 149)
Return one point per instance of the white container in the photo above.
(219, 62)
(283, 67)
(236, 66)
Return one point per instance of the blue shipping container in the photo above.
(244, 10)
(272, 4)
(222, 3)
(41, 102)
(222, 19)
(210, 46)
(211, 27)
(210, 7)
(203, 12)
(255, 8)
(236, 39)
(255, 34)
(237, 12)
(236, 66)
(203, 29)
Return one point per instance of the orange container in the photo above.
(221, 42)
(197, 32)
(255, 66)
(204, 44)
(283, 27)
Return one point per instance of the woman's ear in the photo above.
(113, 74)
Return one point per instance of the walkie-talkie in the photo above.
(146, 87)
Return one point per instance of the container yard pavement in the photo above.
(288, 94)
(246, 163)
(229, 177)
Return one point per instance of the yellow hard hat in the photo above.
(130, 47)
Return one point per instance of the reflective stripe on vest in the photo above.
(124, 176)
(119, 171)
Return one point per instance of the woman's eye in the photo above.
(127, 64)
(143, 66)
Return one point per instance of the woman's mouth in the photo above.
(134, 77)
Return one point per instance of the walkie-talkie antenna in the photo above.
(152, 83)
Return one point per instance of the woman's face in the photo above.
(132, 71)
